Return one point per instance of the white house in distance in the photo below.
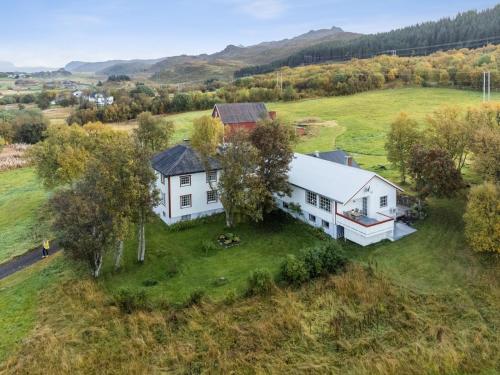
(187, 191)
(329, 191)
(346, 201)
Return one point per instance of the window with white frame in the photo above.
(185, 217)
(212, 196)
(285, 205)
(325, 203)
(163, 200)
(383, 201)
(211, 176)
(311, 198)
(185, 180)
(325, 224)
(162, 179)
(186, 201)
(312, 218)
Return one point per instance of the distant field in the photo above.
(57, 115)
(22, 222)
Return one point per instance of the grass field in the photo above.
(424, 304)
(362, 120)
(19, 301)
(177, 261)
(22, 224)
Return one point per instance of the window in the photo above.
(186, 201)
(311, 198)
(325, 224)
(164, 214)
(312, 218)
(185, 180)
(163, 200)
(285, 205)
(185, 217)
(211, 196)
(325, 204)
(162, 178)
(383, 201)
(212, 176)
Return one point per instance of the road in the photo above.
(25, 260)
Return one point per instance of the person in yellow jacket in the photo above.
(45, 248)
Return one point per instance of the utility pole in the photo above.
(486, 86)
(489, 85)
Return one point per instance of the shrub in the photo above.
(332, 258)
(260, 282)
(208, 247)
(130, 300)
(293, 270)
(195, 298)
(482, 218)
(2, 143)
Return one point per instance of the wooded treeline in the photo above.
(467, 30)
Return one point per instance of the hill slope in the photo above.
(467, 30)
(218, 65)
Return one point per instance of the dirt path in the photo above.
(25, 260)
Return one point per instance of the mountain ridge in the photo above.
(229, 59)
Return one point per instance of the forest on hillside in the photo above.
(453, 69)
(467, 30)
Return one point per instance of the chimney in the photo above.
(316, 154)
(348, 160)
(272, 115)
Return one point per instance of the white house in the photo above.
(329, 191)
(346, 201)
(187, 191)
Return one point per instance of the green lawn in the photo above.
(19, 301)
(22, 223)
(261, 247)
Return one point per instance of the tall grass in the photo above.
(354, 323)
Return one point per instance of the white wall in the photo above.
(299, 196)
(378, 188)
(198, 190)
(352, 231)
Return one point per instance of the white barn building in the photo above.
(187, 191)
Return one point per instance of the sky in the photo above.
(53, 33)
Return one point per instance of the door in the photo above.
(340, 231)
(365, 206)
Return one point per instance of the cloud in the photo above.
(262, 9)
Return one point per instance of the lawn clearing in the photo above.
(22, 221)
(177, 261)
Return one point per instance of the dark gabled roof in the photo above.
(234, 113)
(337, 156)
(179, 160)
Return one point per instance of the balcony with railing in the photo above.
(363, 224)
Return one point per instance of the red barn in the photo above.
(241, 115)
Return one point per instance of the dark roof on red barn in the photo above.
(179, 160)
(234, 113)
